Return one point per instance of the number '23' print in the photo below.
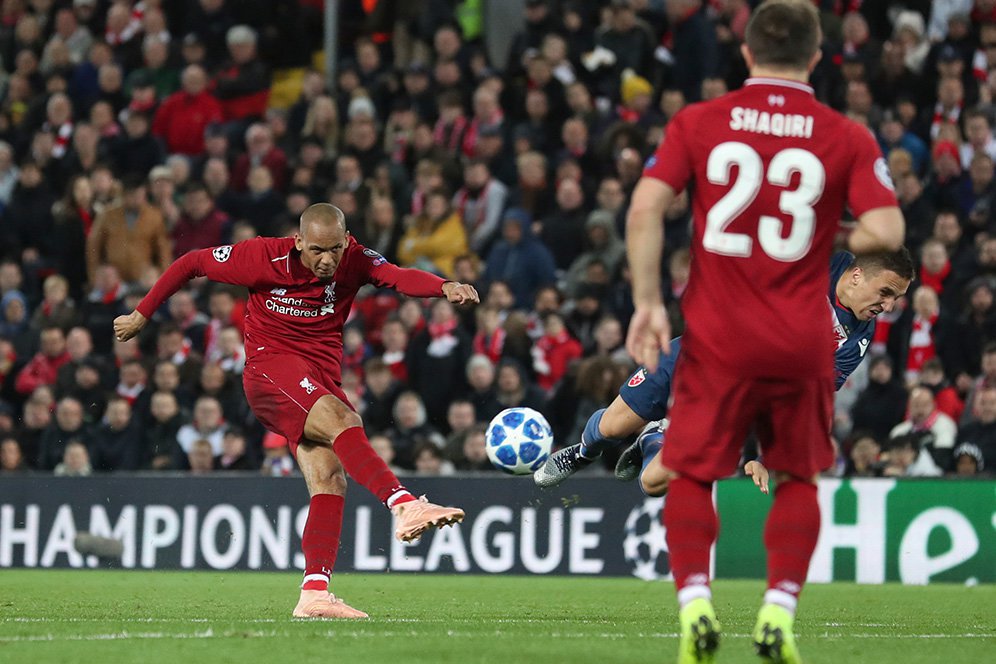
(797, 203)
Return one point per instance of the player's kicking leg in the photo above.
(606, 428)
(324, 465)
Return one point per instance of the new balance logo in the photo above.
(328, 309)
(279, 292)
(307, 385)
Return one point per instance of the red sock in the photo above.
(790, 537)
(320, 541)
(692, 524)
(364, 466)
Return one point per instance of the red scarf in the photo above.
(86, 217)
(980, 68)
(922, 345)
(491, 346)
(461, 204)
(470, 138)
(439, 330)
(935, 279)
(627, 115)
(449, 135)
(927, 423)
(944, 117)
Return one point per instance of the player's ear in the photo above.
(298, 242)
(748, 56)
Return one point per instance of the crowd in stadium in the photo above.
(132, 133)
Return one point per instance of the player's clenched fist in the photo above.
(126, 327)
(458, 293)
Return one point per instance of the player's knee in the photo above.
(328, 418)
(654, 487)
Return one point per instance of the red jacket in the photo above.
(189, 235)
(182, 118)
(41, 370)
(275, 161)
(552, 356)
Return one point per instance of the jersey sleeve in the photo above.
(383, 274)
(671, 163)
(229, 264)
(870, 185)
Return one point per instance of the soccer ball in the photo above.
(519, 440)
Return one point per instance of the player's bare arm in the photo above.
(458, 293)
(880, 229)
(128, 326)
(649, 329)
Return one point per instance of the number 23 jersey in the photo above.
(769, 170)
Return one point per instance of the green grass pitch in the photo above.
(106, 617)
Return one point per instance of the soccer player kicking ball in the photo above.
(860, 288)
(300, 292)
(772, 171)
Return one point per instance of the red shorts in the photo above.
(713, 413)
(281, 389)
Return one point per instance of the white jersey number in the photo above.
(797, 203)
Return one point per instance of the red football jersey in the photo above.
(290, 310)
(772, 170)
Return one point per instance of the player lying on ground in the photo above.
(770, 171)
(860, 289)
(300, 292)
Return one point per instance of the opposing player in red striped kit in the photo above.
(300, 292)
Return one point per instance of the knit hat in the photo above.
(972, 450)
(633, 85)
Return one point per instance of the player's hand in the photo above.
(649, 336)
(758, 473)
(126, 327)
(458, 293)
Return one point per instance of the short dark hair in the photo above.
(989, 348)
(784, 33)
(900, 262)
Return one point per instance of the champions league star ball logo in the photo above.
(221, 254)
(643, 544)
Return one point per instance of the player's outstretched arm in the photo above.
(880, 229)
(419, 283)
(757, 472)
(649, 329)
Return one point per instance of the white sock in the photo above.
(781, 598)
(689, 593)
(393, 498)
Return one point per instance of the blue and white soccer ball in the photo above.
(519, 440)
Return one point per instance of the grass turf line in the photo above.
(128, 616)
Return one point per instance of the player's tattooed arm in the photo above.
(758, 473)
(458, 293)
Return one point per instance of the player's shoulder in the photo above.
(273, 247)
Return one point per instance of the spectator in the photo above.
(935, 430)
(207, 424)
(882, 404)
(554, 352)
(56, 308)
(130, 237)
(67, 427)
(923, 331)
(514, 388)
(411, 428)
(460, 418)
(104, 303)
(44, 367)
(863, 460)
(473, 454)
(201, 225)
(234, 455)
(968, 461)
(564, 230)
(277, 459)
(603, 246)
(906, 458)
(87, 389)
(384, 448)
(260, 151)
(201, 459)
(115, 441)
(946, 397)
(985, 381)
(139, 151)
(75, 461)
(243, 83)
(11, 457)
(982, 432)
(160, 449)
(132, 383)
(28, 224)
(480, 204)
(435, 238)
(185, 115)
(430, 461)
(519, 258)
(436, 360)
